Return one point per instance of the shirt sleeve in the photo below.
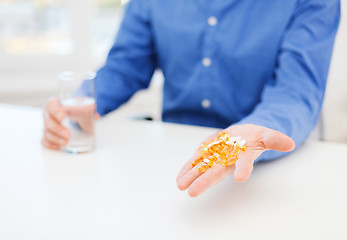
(131, 61)
(292, 99)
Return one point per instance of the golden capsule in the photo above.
(220, 151)
(232, 160)
(203, 168)
(197, 161)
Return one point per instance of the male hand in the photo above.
(259, 139)
(55, 134)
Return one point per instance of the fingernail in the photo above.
(62, 141)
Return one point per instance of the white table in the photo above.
(126, 188)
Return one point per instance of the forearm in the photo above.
(131, 61)
(291, 101)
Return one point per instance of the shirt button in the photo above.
(206, 62)
(206, 103)
(212, 21)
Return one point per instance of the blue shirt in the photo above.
(226, 61)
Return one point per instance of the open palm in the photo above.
(259, 139)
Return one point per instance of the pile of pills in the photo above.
(223, 150)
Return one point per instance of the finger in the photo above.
(49, 145)
(185, 181)
(186, 168)
(278, 141)
(211, 177)
(243, 168)
(54, 108)
(97, 116)
(54, 139)
(56, 128)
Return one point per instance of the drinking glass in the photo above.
(77, 97)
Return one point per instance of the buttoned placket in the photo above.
(208, 51)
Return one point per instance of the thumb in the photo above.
(275, 140)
